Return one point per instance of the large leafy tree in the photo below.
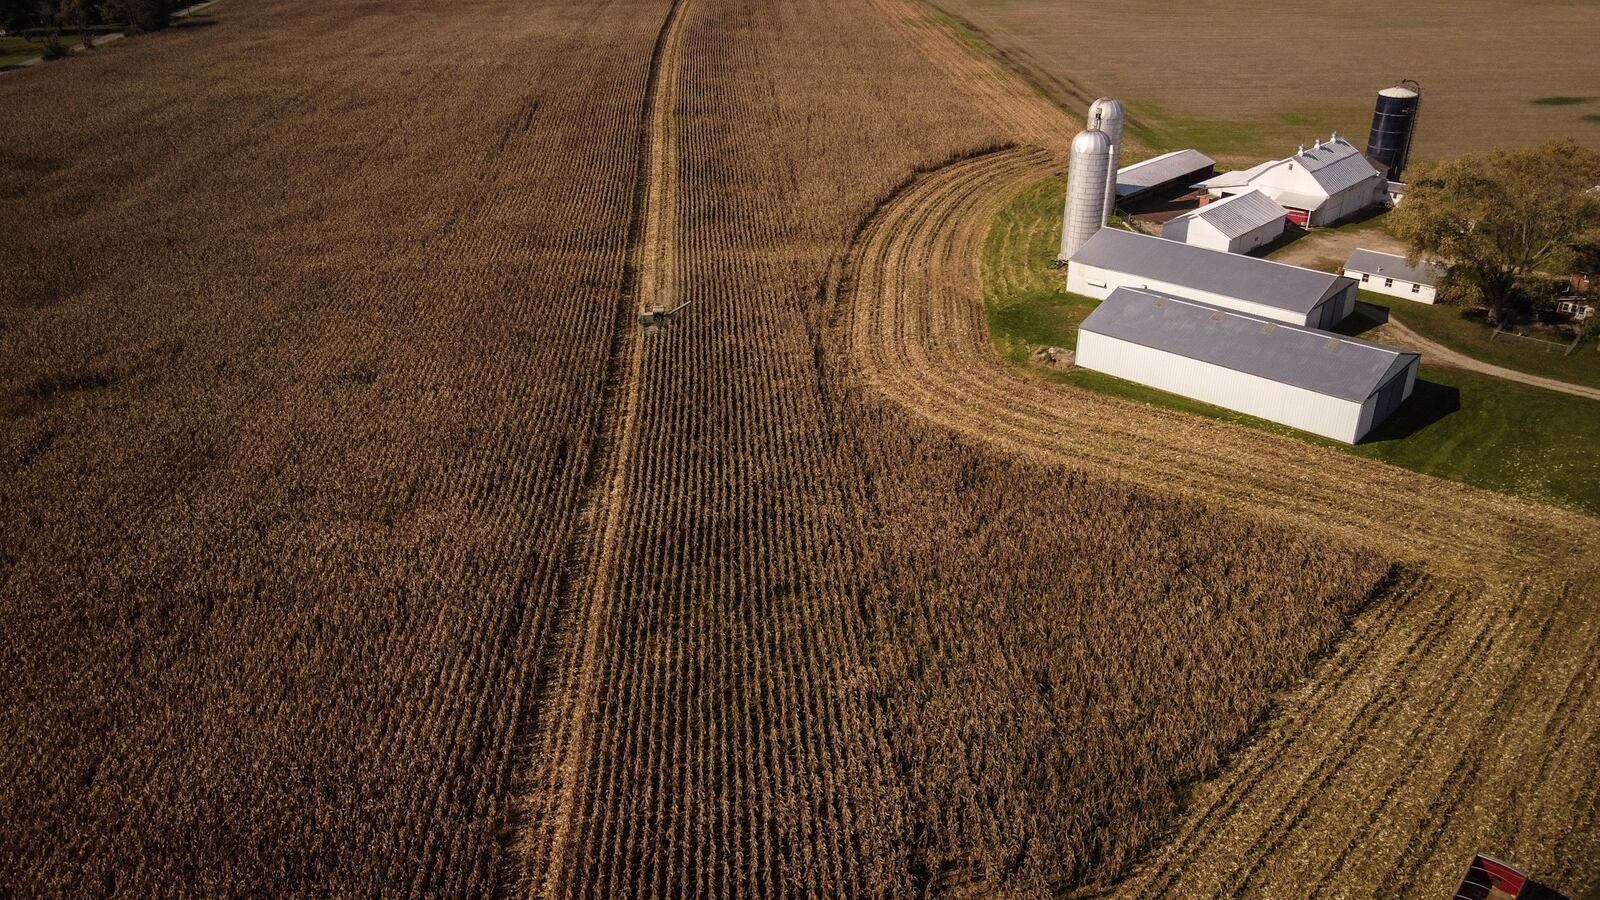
(1498, 218)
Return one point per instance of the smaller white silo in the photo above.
(1106, 114)
(1086, 190)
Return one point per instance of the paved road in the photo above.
(1442, 355)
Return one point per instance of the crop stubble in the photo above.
(301, 367)
(1480, 734)
(355, 536)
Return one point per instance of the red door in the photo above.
(1300, 216)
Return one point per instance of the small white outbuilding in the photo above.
(1236, 224)
(1388, 273)
(1317, 381)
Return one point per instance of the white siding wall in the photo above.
(1256, 237)
(1201, 233)
(1369, 408)
(1194, 231)
(1272, 400)
(1093, 281)
(1347, 202)
(1424, 294)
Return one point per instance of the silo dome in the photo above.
(1110, 113)
(1091, 141)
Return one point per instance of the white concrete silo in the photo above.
(1086, 190)
(1107, 112)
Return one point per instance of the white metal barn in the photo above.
(1319, 186)
(1236, 224)
(1386, 273)
(1114, 258)
(1316, 381)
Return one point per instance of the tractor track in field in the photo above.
(1420, 692)
(567, 714)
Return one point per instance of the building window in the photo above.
(1416, 289)
(1365, 278)
(1388, 282)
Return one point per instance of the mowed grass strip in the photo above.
(1472, 428)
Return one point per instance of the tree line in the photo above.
(52, 21)
(1506, 222)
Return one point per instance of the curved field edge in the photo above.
(912, 320)
(1480, 430)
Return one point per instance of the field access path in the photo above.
(568, 711)
(1462, 714)
(1439, 354)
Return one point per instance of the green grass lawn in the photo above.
(1446, 325)
(15, 49)
(1472, 428)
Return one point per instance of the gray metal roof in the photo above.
(1336, 165)
(1317, 361)
(1238, 177)
(1391, 266)
(1239, 214)
(1278, 285)
(1157, 170)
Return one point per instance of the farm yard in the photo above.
(1251, 79)
(357, 540)
(1464, 426)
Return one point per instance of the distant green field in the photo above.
(1245, 79)
(1484, 431)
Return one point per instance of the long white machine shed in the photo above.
(1335, 386)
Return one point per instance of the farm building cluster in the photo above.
(1190, 313)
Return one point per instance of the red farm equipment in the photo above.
(1488, 878)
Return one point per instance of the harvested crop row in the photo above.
(847, 654)
(300, 376)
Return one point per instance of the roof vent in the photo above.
(1317, 144)
(1218, 316)
(1333, 343)
(1268, 328)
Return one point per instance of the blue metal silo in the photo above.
(1393, 120)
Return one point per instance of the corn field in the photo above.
(356, 540)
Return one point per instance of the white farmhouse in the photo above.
(1318, 186)
(1335, 386)
(1236, 224)
(1386, 273)
(1114, 258)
